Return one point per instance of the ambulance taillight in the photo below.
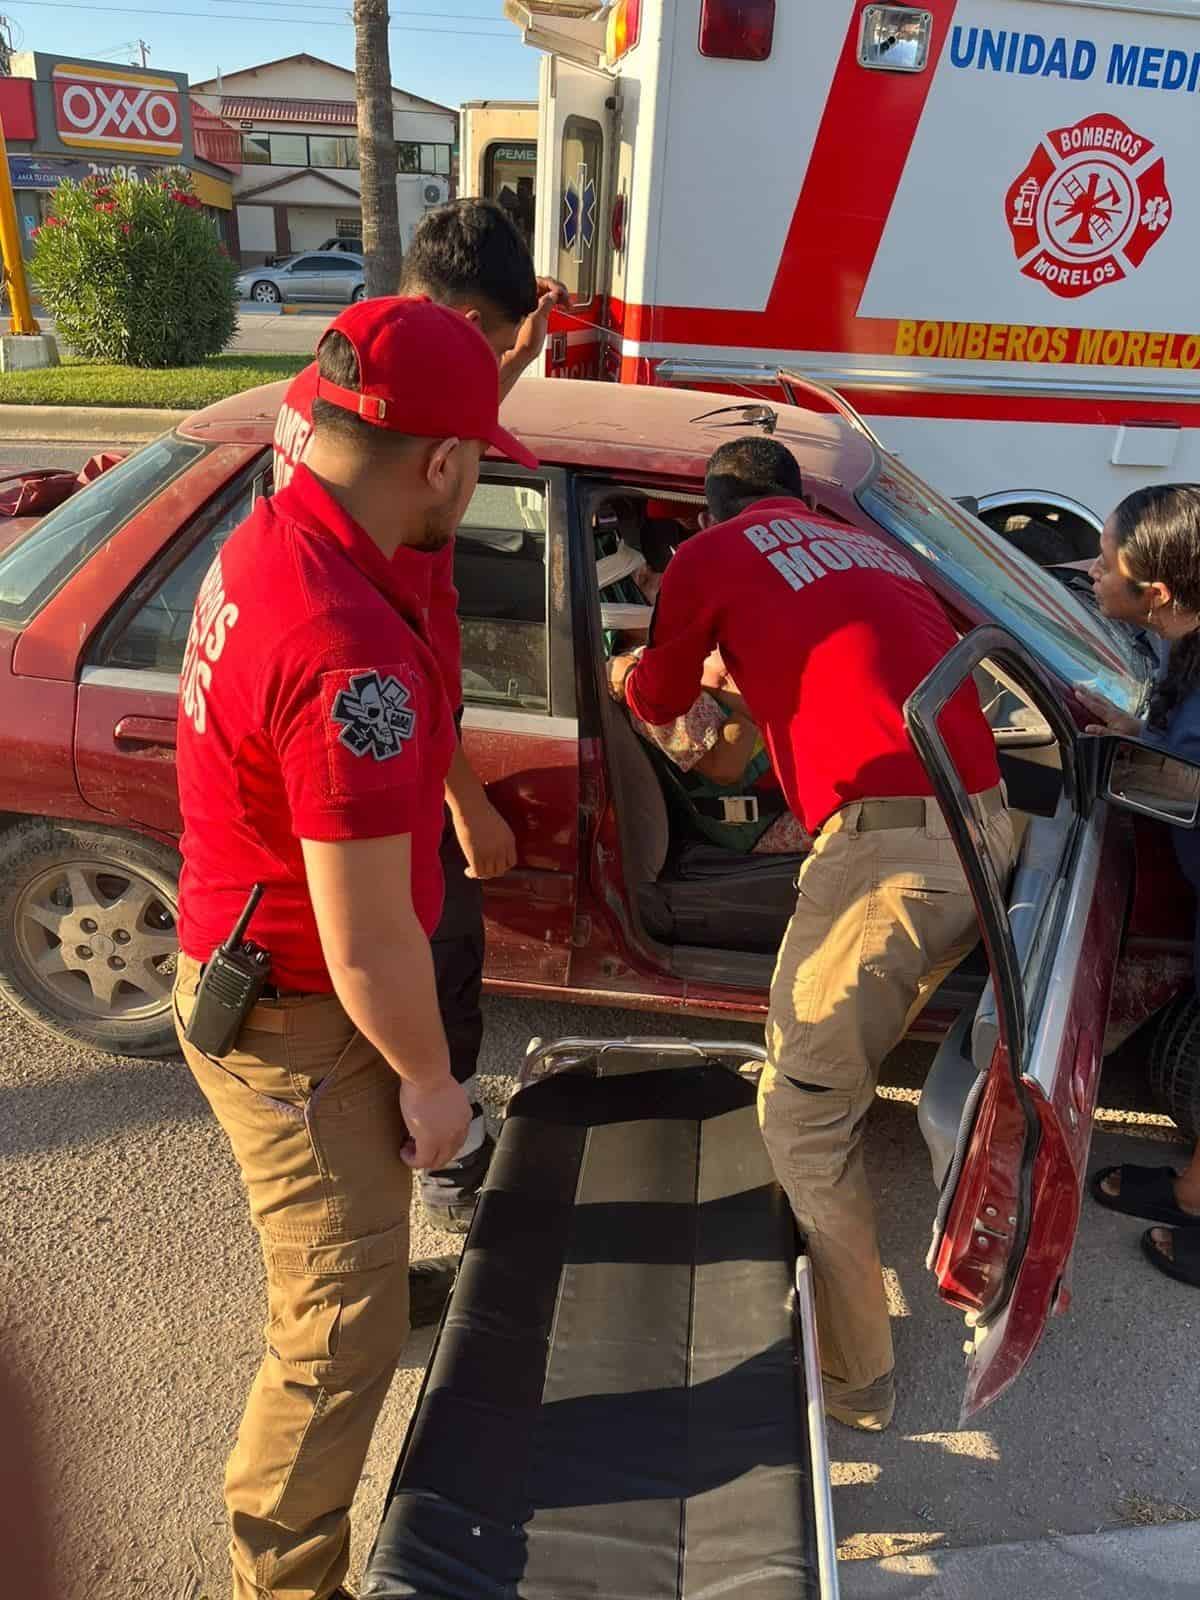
(624, 29)
(737, 30)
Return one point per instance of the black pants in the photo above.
(458, 959)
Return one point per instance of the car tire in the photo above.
(359, 294)
(108, 899)
(1175, 1062)
(264, 293)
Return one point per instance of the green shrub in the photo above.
(134, 272)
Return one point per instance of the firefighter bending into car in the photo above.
(316, 733)
(827, 630)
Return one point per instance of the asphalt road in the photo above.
(16, 456)
(264, 333)
(134, 1311)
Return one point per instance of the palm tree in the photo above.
(376, 147)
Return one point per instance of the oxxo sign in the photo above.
(112, 108)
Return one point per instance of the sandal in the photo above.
(1184, 1265)
(1145, 1192)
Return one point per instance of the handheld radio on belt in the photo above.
(234, 977)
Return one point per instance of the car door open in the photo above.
(1007, 1107)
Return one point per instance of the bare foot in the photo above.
(1111, 1186)
(1163, 1242)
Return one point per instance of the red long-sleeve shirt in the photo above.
(827, 631)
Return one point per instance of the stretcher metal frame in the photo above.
(543, 1060)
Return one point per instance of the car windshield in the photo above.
(1067, 635)
(34, 569)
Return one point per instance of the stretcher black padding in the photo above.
(615, 1407)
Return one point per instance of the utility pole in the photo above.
(6, 47)
(145, 50)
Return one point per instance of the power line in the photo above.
(323, 5)
(207, 16)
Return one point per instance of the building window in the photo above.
(332, 150)
(289, 150)
(300, 150)
(431, 160)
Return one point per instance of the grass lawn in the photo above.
(87, 383)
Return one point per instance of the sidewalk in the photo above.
(1160, 1563)
(91, 424)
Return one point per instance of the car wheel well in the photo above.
(1049, 528)
(1175, 1062)
(87, 932)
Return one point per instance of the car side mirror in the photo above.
(1143, 778)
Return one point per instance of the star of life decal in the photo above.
(373, 715)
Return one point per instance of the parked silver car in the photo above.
(319, 275)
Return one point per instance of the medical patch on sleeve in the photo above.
(374, 715)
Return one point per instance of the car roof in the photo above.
(606, 426)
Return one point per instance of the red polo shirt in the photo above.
(293, 429)
(311, 707)
(826, 631)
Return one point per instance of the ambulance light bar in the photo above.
(624, 29)
(737, 30)
(894, 38)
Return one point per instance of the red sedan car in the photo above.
(612, 901)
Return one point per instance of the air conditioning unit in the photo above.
(436, 192)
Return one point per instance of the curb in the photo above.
(91, 424)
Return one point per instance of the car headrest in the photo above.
(623, 563)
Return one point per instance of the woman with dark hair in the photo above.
(1148, 574)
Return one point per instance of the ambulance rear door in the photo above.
(575, 151)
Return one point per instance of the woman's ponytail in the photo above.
(1181, 676)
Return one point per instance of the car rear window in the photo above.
(33, 570)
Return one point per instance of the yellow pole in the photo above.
(22, 320)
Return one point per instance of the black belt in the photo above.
(739, 808)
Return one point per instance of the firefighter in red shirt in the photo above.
(827, 630)
(315, 739)
(469, 256)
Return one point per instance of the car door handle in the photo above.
(146, 730)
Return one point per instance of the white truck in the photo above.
(978, 220)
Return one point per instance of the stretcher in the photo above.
(624, 1400)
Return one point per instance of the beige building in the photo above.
(299, 184)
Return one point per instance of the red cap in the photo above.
(424, 370)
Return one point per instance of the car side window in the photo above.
(500, 575)
(154, 637)
(307, 264)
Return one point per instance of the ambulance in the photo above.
(976, 221)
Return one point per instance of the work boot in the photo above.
(449, 1195)
(429, 1285)
(870, 1409)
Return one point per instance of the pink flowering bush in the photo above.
(134, 273)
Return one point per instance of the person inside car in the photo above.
(466, 255)
(1148, 575)
(711, 761)
(827, 631)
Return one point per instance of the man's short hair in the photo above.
(469, 250)
(746, 470)
(337, 361)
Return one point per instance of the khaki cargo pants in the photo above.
(883, 914)
(312, 1112)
